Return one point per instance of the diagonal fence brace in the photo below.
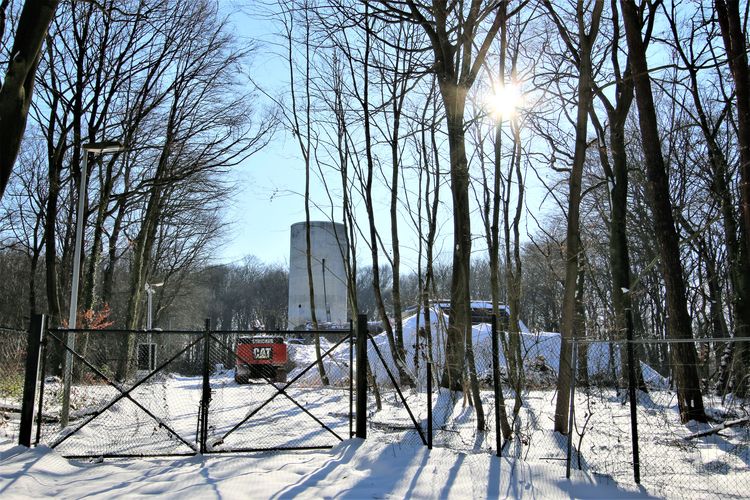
(281, 391)
(398, 390)
(124, 394)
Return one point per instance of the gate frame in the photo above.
(124, 394)
(31, 378)
(40, 335)
(279, 391)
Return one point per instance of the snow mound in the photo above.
(540, 352)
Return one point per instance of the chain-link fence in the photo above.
(526, 390)
(131, 393)
(12, 362)
(159, 393)
(136, 393)
(693, 432)
(675, 458)
(268, 391)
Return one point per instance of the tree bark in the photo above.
(684, 359)
(492, 207)
(731, 22)
(459, 326)
(398, 95)
(513, 270)
(572, 238)
(18, 85)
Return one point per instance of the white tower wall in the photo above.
(328, 251)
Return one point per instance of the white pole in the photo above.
(149, 291)
(71, 340)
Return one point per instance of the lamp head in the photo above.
(151, 286)
(104, 147)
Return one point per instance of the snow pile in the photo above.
(336, 363)
(539, 350)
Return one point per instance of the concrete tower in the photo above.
(328, 250)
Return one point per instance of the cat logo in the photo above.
(262, 359)
(262, 352)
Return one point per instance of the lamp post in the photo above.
(149, 292)
(93, 148)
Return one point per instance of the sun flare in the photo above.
(505, 100)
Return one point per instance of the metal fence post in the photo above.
(496, 383)
(206, 395)
(633, 412)
(42, 373)
(361, 410)
(351, 379)
(33, 350)
(571, 415)
(429, 404)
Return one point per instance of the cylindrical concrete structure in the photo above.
(328, 250)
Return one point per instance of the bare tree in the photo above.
(581, 53)
(733, 25)
(207, 128)
(299, 120)
(684, 359)
(460, 35)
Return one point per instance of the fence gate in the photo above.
(272, 394)
(138, 394)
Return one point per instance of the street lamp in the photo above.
(96, 148)
(149, 292)
(150, 347)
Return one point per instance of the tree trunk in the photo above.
(582, 370)
(459, 326)
(513, 271)
(50, 238)
(400, 353)
(18, 85)
(572, 238)
(33, 266)
(684, 359)
(492, 228)
(731, 21)
(617, 176)
(431, 214)
(474, 384)
(139, 276)
(108, 277)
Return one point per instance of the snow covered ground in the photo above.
(672, 463)
(173, 401)
(353, 469)
(461, 465)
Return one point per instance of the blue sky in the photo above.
(269, 186)
(264, 204)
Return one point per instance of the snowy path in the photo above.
(353, 469)
(714, 465)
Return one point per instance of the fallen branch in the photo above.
(718, 428)
(46, 417)
(10, 408)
